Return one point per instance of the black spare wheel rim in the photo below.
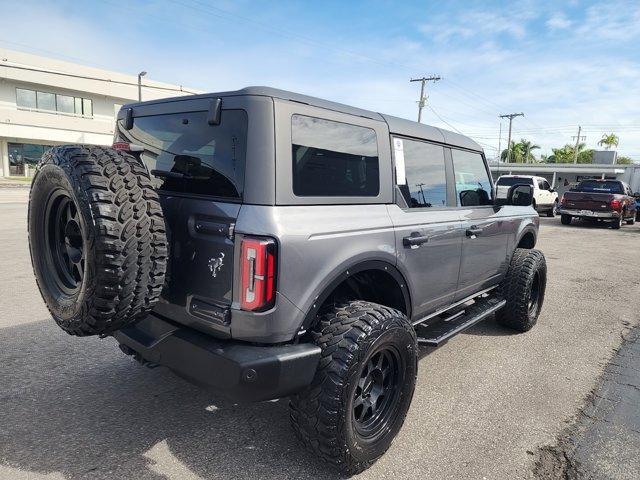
(65, 250)
(534, 296)
(375, 398)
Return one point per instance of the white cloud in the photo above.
(558, 21)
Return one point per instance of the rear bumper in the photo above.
(611, 214)
(238, 371)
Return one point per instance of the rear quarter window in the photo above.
(333, 159)
(187, 155)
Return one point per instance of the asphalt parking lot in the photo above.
(487, 404)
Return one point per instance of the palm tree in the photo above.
(526, 147)
(609, 140)
(520, 152)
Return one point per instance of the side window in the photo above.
(473, 186)
(545, 185)
(333, 159)
(425, 180)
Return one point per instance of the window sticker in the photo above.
(398, 148)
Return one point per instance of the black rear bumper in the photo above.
(238, 371)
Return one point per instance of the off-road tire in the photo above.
(632, 220)
(119, 230)
(323, 415)
(565, 219)
(527, 268)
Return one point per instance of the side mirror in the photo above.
(519, 195)
(552, 190)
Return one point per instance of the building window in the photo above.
(21, 154)
(50, 102)
(26, 98)
(46, 101)
(65, 104)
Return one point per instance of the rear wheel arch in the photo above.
(527, 239)
(377, 281)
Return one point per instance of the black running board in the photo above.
(438, 333)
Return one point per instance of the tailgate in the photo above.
(596, 202)
(197, 164)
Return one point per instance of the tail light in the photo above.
(562, 200)
(258, 267)
(616, 204)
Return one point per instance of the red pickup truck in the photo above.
(599, 200)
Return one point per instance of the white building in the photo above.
(46, 102)
(563, 176)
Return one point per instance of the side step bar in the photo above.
(438, 333)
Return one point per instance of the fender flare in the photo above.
(526, 230)
(380, 265)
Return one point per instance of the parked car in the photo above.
(601, 200)
(545, 198)
(268, 244)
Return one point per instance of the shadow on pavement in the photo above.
(79, 407)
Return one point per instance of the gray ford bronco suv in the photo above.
(266, 244)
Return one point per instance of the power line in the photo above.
(423, 99)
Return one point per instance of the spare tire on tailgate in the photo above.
(97, 238)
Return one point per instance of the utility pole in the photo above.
(423, 99)
(500, 143)
(510, 116)
(578, 138)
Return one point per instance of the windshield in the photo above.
(599, 186)
(511, 181)
(185, 154)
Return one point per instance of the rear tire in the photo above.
(618, 222)
(631, 221)
(565, 219)
(97, 238)
(523, 288)
(363, 387)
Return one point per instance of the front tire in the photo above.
(565, 219)
(363, 387)
(523, 288)
(552, 213)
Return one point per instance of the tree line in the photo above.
(523, 152)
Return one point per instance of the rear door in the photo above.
(427, 224)
(198, 170)
(486, 231)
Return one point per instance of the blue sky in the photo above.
(561, 63)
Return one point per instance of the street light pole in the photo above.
(140, 75)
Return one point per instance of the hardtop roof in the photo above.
(398, 126)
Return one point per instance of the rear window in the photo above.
(187, 155)
(601, 187)
(511, 181)
(333, 159)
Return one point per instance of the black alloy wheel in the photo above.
(374, 401)
(64, 238)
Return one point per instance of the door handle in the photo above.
(473, 231)
(415, 240)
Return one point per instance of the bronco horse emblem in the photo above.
(215, 264)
